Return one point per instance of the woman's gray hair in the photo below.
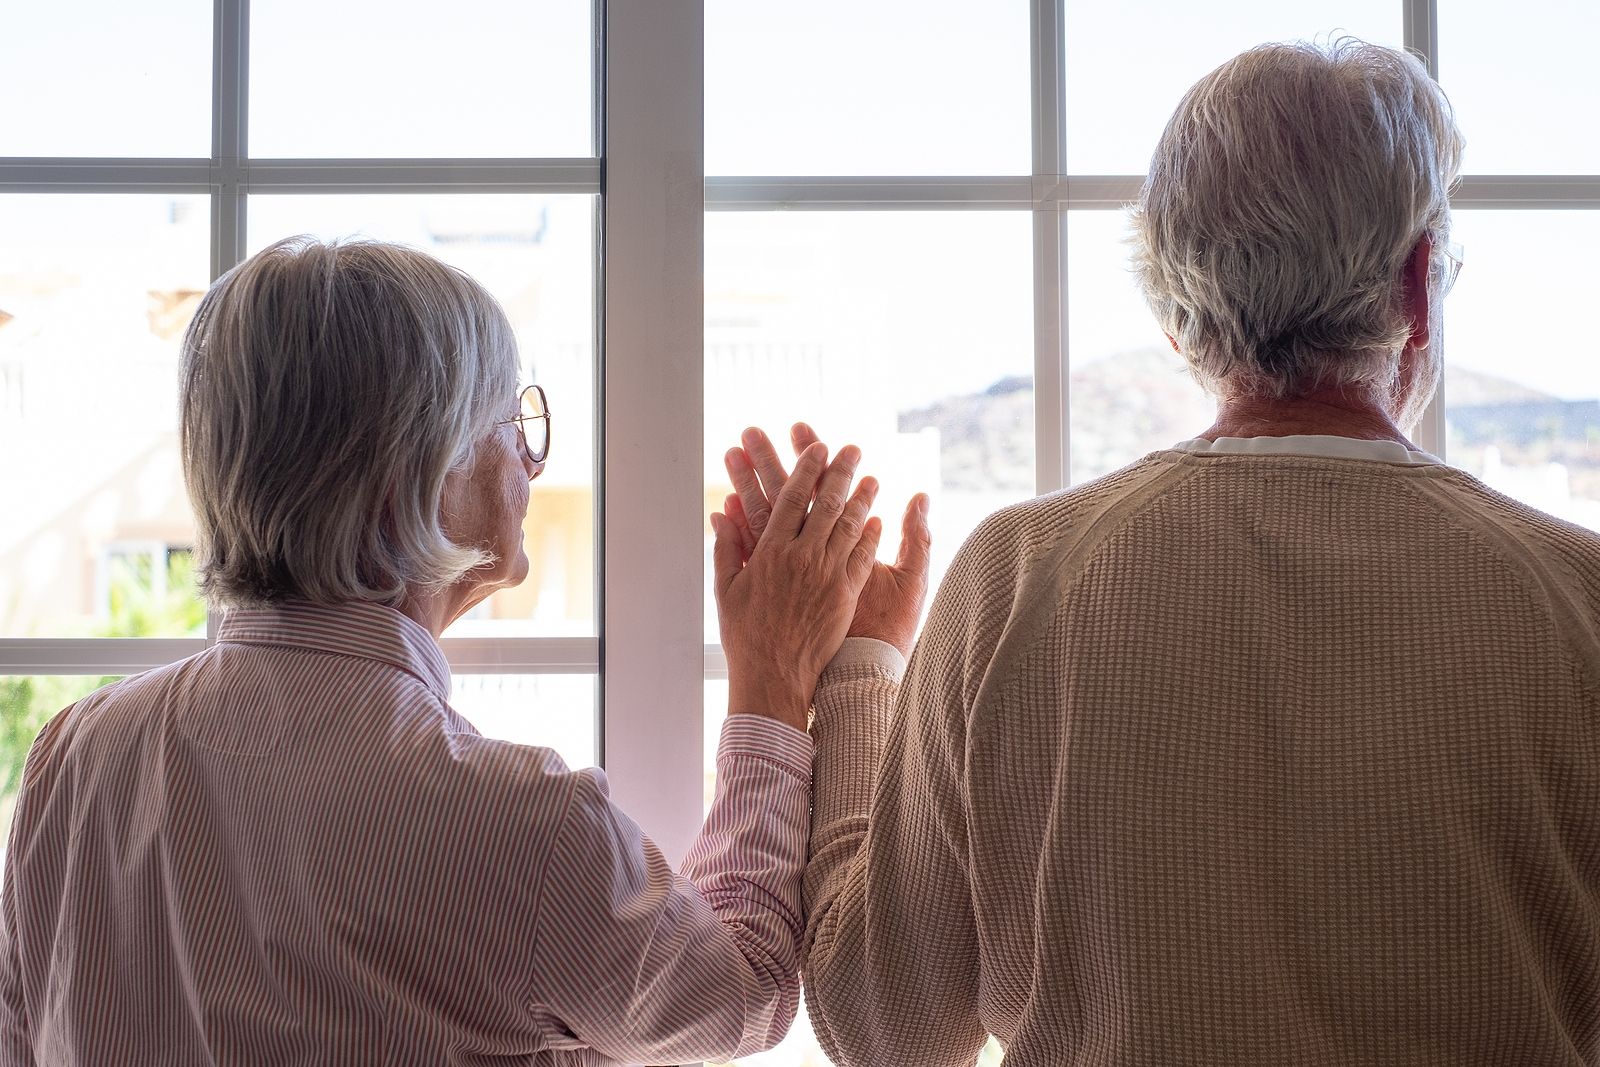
(1281, 207)
(326, 391)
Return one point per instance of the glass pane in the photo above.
(27, 702)
(550, 710)
(375, 78)
(892, 87)
(106, 78)
(907, 333)
(1523, 84)
(95, 293)
(1119, 98)
(1521, 388)
(536, 255)
(1130, 393)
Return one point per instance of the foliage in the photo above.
(139, 607)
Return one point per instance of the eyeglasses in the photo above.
(534, 424)
(1454, 253)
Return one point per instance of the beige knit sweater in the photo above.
(1224, 759)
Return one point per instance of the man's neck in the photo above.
(1329, 412)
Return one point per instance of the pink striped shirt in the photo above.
(290, 849)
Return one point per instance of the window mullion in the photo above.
(230, 102)
(653, 412)
(1421, 18)
(1051, 412)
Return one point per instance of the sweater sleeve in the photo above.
(640, 965)
(892, 959)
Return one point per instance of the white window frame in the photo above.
(649, 176)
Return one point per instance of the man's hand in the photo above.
(785, 603)
(891, 602)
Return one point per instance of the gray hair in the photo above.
(326, 391)
(1282, 204)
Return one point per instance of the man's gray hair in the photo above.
(326, 391)
(1282, 204)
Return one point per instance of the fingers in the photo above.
(734, 510)
(756, 507)
(789, 509)
(853, 519)
(915, 538)
(766, 461)
(801, 436)
(726, 561)
(858, 568)
(832, 493)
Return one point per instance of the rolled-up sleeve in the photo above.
(643, 965)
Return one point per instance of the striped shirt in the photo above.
(290, 849)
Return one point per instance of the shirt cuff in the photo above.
(768, 739)
(867, 652)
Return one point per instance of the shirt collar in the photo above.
(1322, 445)
(354, 628)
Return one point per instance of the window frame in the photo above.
(648, 176)
(229, 176)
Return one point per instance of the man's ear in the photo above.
(1415, 280)
(1173, 341)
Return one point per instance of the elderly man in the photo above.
(1278, 747)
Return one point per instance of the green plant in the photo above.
(139, 607)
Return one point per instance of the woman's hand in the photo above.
(891, 601)
(785, 603)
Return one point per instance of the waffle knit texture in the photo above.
(1223, 759)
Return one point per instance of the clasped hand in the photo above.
(796, 571)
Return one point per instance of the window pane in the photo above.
(27, 702)
(1119, 98)
(892, 87)
(1130, 393)
(907, 333)
(550, 710)
(106, 78)
(536, 255)
(95, 293)
(366, 78)
(1523, 84)
(1521, 388)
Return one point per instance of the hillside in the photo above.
(1132, 403)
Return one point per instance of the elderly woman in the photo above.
(289, 848)
(1280, 746)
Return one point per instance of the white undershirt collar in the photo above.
(1320, 445)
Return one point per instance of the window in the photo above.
(906, 229)
(155, 153)
(920, 254)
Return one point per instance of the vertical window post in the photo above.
(653, 323)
